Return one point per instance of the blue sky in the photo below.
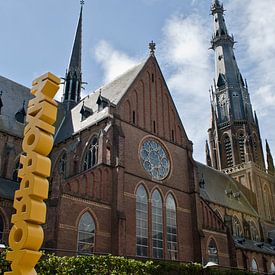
(37, 36)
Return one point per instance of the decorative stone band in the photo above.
(26, 235)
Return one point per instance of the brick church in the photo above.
(124, 180)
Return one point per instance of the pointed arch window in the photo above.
(141, 222)
(228, 151)
(236, 225)
(254, 266)
(157, 225)
(91, 155)
(241, 147)
(62, 164)
(254, 235)
(1, 229)
(272, 268)
(171, 228)
(213, 252)
(86, 234)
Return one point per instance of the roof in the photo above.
(13, 96)
(221, 189)
(8, 188)
(247, 244)
(113, 92)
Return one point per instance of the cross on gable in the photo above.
(152, 47)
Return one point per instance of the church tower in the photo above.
(234, 135)
(73, 77)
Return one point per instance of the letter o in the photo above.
(25, 235)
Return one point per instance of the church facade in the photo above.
(124, 180)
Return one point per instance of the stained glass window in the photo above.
(154, 159)
(86, 234)
(157, 225)
(90, 158)
(237, 229)
(141, 222)
(213, 252)
(171, 228)
(62, 164)
(254, 266)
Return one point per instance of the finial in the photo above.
(152, 47)
(82, 3)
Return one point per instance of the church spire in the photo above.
(73, 78)
(230, 100)
(269, 158)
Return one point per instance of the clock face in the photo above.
(154, 159)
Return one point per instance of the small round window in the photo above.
(154, 159)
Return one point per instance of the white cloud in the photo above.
(254, 21)
(185, 51)
(113, 62)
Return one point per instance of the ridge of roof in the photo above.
(113, 91)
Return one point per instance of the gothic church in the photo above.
(124, 180)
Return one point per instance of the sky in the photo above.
(37, 36)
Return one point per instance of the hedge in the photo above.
(112, 265)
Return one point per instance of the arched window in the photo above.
(253, 231)
(237, 229)
(1, 229)
(86, 234)
(213, 252)
(157, 225)
(171, 228)
(141, 222)
(254, 266)
(90, 158)
(18, 166)
(241, 147)
(272, 268)
(228, 151)
(62, 164)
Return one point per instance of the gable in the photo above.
(148, 105)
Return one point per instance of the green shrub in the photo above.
(50, 264)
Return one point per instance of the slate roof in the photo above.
(7, 188)
(217, 184)
(13, 96)
(112, 91)
(261, 247)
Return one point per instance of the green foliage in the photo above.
(50, 264)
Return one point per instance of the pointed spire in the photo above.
(73, 79)
(269, 159)
(207, 154)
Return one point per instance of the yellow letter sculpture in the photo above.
(26, 235)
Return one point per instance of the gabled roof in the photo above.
(221, 189)
(13, 96)
(7, 188)
(112, 91)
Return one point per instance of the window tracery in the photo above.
(171, 228)
(141, 222)
(157, 225)
(91, 155)
(86, 234)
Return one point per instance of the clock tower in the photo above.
(234, 135)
